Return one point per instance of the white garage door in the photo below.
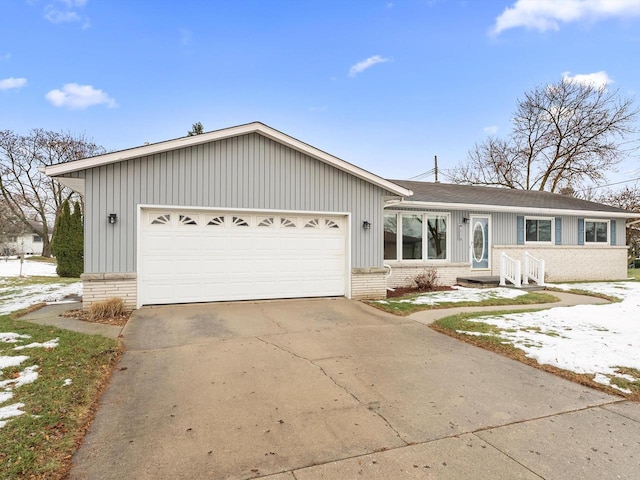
(191, 256)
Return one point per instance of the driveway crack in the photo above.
(507, 455)
(342, 387)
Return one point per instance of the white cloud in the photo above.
(9, 83)
(67, 12)
(597, 79)
(57, 16)
(490, 129)
(546, 15)
(5, 57)
(74, 3)
(79, 97)
(364, 64)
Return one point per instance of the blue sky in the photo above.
(385, 85)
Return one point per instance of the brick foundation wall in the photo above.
(403, 275)
(570, 263)
(368, 283)
(100, 286)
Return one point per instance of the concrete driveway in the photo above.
(333, 389)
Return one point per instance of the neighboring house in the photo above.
(251, 213)
(17, 239)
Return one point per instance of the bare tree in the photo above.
(29, 194)
(564, 135)
(627, 198)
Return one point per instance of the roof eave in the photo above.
(254, 127)
(515, 209)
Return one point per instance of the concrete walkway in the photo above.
(50, 315)
(566, 300)
(334, 389)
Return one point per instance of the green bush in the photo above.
(68, 242)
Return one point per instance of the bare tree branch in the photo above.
(566, 134)
(28, 194)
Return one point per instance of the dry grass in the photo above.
(109, 308)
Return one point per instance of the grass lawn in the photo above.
(634, 273)
(403, 306)
(38, 258)
(489, 337)
(39, 443)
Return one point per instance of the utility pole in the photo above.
(435, 158)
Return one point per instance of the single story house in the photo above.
(249, 212)
(17, 239)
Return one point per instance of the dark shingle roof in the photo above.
(474, 195)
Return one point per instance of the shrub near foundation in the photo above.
(111, 307)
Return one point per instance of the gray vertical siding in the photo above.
(503, 229)
(248, 171)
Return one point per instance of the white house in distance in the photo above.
(249, 212)
(19, 240)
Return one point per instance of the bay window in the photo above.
(404, 235)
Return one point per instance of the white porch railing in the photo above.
(533, 270)
(510, 270)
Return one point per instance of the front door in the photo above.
(480, 242)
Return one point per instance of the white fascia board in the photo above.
(513, 209)
(255, 127)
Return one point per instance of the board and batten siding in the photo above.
(248, 171)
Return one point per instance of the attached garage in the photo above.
(242, 213)
(215, 255)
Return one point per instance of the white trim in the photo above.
(489, 246)
(540, 242)
(254, 127)
(171, 208)
(75, 184)
(597, 220)
(513, 209)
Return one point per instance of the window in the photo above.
(404, 235)
(411, 237)
(596, 231)
(37, 239)
(538, 230)
(390, 236)
(437, 237)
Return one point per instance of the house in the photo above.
(17, 239)
(249, 212)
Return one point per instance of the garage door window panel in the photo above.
(216, 222)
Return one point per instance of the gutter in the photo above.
(513, 209)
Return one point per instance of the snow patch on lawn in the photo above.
(458, 295)
(588, 339)
(11, 268)
(10, 411)
(25, 376)
(33, 294)
(48, 344)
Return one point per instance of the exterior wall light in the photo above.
(113, 218)
(366, 225)
(465, 220)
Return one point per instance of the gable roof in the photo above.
(446, 195)
(184, 142)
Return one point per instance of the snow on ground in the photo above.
(14, 298)
(590, 339)
(11, 268)
(27, 375)
(460, 294)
